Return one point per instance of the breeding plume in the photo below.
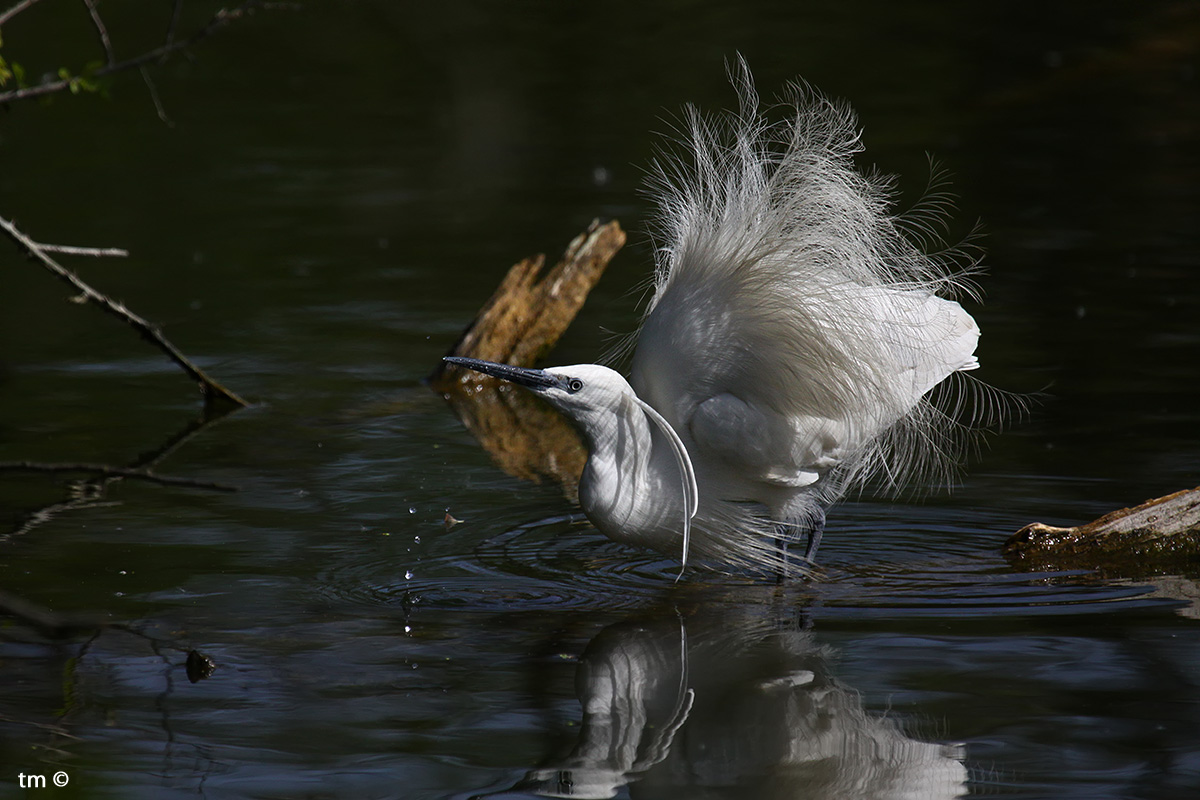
(796, 330)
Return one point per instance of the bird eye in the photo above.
(574, 385)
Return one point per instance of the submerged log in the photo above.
(1165, 530)
(518, 325)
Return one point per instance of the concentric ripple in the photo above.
(971, 587)
(562, 563)
(555, 562)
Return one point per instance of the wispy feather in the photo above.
(785, 277)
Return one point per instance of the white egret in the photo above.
(796, 329)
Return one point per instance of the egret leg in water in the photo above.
(790, 352)
(784, 537)
(816, 528)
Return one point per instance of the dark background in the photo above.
(338, 188)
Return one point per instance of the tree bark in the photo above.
(1159, 531)
(518, 325)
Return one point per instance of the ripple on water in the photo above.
(980, 586)
(558, 563)
(549, 563)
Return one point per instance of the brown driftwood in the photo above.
(524, 317)
(518, 325)
(1165, 529)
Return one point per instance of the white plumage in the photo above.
(795, 331)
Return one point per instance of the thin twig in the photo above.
(174, 24)
(149, 458)
(108, 470)
(158, 107)
(5, 16)
(211, 389)
(43, 515)
(88, 493)
(48, 727)
(100, 29)
(219, 20)
(97, 252)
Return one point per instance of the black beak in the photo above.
(532, 378)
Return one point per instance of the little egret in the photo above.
(788, 354)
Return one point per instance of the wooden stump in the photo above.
(518, 325)
(525, 316)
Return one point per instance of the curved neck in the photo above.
(631, 487)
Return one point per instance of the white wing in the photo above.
(793, 323)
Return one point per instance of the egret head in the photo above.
(609, 413)
(584, 392)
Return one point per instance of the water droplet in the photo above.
(408, 575)
(416, 540)
(412, 509)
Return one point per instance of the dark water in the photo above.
(342, 185)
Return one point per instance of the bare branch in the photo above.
(108, 470)
(100, 29)
(219, 20)
(211, 389)
(90, 492)
(97, 252)
(174, 22)
(158, 107)
(43, 515)
(5, 16)
(50, 87)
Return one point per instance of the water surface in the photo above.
(340, 189)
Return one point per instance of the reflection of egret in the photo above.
(720, 706)
(793, 336)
